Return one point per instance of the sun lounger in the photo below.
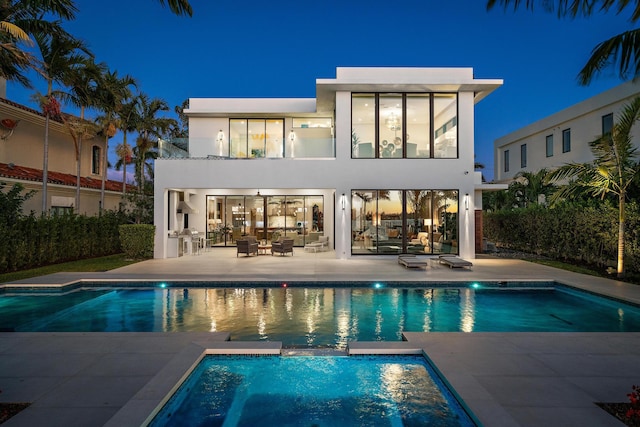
(411, 261)
(454, 262)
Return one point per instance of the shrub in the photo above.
(137, 240)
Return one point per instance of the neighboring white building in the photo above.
(381, 162)
(562, 137)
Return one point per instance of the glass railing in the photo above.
(301, 148)
(173, 148)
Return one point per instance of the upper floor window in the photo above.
(566, 140)
(95, 159)
(404, 125)
(607, 123)
(254, 138)
(549, 145)
(506, 160)
(523, 156)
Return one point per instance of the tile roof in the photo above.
(25, 108)
(30, 174)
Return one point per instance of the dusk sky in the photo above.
(278, 49)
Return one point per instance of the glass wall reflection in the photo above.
(266, 217)
(404, 221)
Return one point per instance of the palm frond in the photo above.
(179, 7)
(620, 52)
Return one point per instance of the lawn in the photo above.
(87, 265)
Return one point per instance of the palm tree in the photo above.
(150, 127)
(128, 118)
(111, 93)
(81, 82)
(620, 50)
(60, 53)
(613, 170)
(528, 186)
(18, 20)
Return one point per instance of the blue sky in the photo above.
(278, 49)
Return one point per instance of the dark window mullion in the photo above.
(432, 144)
(404, 125)
(377, 124)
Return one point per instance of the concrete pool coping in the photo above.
(506, 379)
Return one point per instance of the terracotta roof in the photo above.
(30, 174)
(25, 108)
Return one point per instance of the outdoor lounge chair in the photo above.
(411, 261)
(454, 262)
(247, 245)
(282, 247)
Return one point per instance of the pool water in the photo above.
(311, 317)
(312, 391)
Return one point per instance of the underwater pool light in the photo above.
(475, 285)
(163, 285)
(377, 285)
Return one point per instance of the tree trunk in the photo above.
(621, 227)
(78, 157)
(104, 171)
(45, 164)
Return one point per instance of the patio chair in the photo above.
(454, 262)
(321, 244)
(411, 261)
(282, 247)
(247, 245)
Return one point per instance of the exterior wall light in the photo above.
(343, 201)
(466, 202)
(220, 140)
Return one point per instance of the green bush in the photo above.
(31, 241)
(137, 240)
(569, 232)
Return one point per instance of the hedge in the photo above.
(31, 241)
(137, 240)
(568, 232)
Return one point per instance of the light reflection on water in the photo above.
(315, 316)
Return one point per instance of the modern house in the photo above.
(22, 133)
(381, 162)
(562, 137)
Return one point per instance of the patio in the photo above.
(507, 379)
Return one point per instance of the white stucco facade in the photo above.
(211, 168)
(583, 122)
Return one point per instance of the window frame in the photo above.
(454, 121)
(96, 160)
(607, 122)
(549, 145)
(523, 155)
(566, 140)
(505, 160)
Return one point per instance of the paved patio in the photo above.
(506, 379)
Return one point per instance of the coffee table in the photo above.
(263, 249)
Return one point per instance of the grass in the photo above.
(584, 269)
(87, 265)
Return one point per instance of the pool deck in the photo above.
(506, 379)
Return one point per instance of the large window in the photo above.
(404, 125)
(607, 123)
(266, 217)
(311, 137)
(255, 138)
(523, 156)
(549, 141)
(404, 221)
(566, 140)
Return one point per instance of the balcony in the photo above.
(211, 148)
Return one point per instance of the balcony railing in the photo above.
(301, 148)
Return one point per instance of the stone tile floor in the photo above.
(506, 379)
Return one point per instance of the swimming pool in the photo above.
(313, 391)
(317, 316)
